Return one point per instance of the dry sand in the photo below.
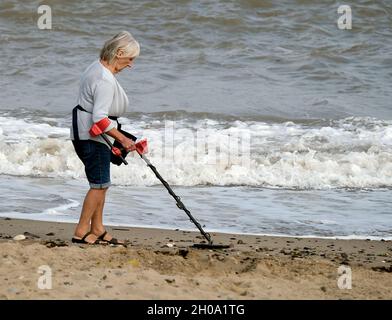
(255, 267)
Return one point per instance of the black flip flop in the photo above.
(111, 241)
(83, 240)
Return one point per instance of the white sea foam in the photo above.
(351, 153)
(62, 209)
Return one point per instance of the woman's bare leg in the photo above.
(97, 226)
(97, 219)
(94, 198)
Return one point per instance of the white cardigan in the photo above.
(101, 95)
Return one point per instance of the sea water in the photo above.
(264, 117)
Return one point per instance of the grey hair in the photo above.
(121, 41)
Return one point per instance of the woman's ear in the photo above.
(120, 53)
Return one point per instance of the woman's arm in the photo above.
(127, 143)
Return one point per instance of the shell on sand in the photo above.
(19, 237)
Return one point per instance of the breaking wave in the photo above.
(347, 153)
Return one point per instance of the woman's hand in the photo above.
(128, 144)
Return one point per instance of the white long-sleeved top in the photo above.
(101, 95)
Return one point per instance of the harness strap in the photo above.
(115, 119)
(75, 121)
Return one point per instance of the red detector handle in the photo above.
(141, 146)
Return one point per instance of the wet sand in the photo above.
(162, 264)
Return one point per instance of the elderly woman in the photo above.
(101, 100)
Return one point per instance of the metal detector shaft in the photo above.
(179, 203)
(111, 148)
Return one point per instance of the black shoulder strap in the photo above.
(75, 121)
(115, 119)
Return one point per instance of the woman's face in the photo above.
(123, 62)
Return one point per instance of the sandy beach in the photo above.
(161, 264)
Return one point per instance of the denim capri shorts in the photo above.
(96, 159)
